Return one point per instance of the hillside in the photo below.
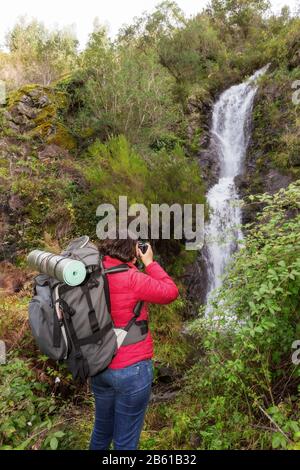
(134, 117)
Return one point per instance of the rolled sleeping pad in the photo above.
(67, 270)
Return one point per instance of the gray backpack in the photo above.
(74, 323)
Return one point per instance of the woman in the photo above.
(122, 391)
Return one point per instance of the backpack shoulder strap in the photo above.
(116, 269)
(113, 270)
(119, 269)
(136, 313)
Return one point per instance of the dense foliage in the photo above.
(247, 367)
(128, 117)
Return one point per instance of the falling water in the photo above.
(230, 134)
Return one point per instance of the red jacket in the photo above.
(126, 289)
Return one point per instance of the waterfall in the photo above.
(230, 134)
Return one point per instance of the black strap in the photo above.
(89, 284)
(57, 263)
(113, 270)
(97, 333)
(106, 292)
(56, 335)
(136, 313)
(80, 361)
(143, 324)
(120, 268)
(65, 288)
(92, 314)
(96, 337)
(137, 309)
(65, 307)
(56, 331)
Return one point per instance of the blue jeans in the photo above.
(121, 399)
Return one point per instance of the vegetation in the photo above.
(247, 342)
(37, 55)
(128, 117)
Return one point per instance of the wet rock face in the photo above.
(276, 180)
(195, 276)
(270, 181)
(272, 161)
(196, 283)
(200, 115)
(259, 176)
(210, 165)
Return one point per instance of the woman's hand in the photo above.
(147, 257)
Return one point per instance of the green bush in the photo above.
(116, 169)
(247, 373)
(30, 415)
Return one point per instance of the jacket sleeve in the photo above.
(155, 286)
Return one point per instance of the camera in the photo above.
(143, 246)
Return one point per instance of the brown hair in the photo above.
(122, 249)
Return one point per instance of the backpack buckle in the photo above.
(93, 283)
(65, 307)
(71, 311)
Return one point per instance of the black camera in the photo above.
(143, 246)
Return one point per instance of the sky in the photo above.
(81, 14)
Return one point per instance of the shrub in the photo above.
(27, 408)
(247, 338)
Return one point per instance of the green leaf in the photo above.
(24, 444)
(54, 443)
(278, 440)
(282, 263)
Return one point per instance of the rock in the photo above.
(210, 165)
(52, 151)
(166, 374)
(13, 126)
(12, 279)
(163, 397)
(32, 127)
(269, 166)
(276, 180)
(15, 202)
(19, 119)
(195, 441)
(34, 110)
(26, 110)
(207, 156)
(196, 282)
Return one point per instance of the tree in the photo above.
(241, 14)
(148, 29)
(40, 55)
(126, 90)
(190, 54)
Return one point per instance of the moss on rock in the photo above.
(36, 111)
